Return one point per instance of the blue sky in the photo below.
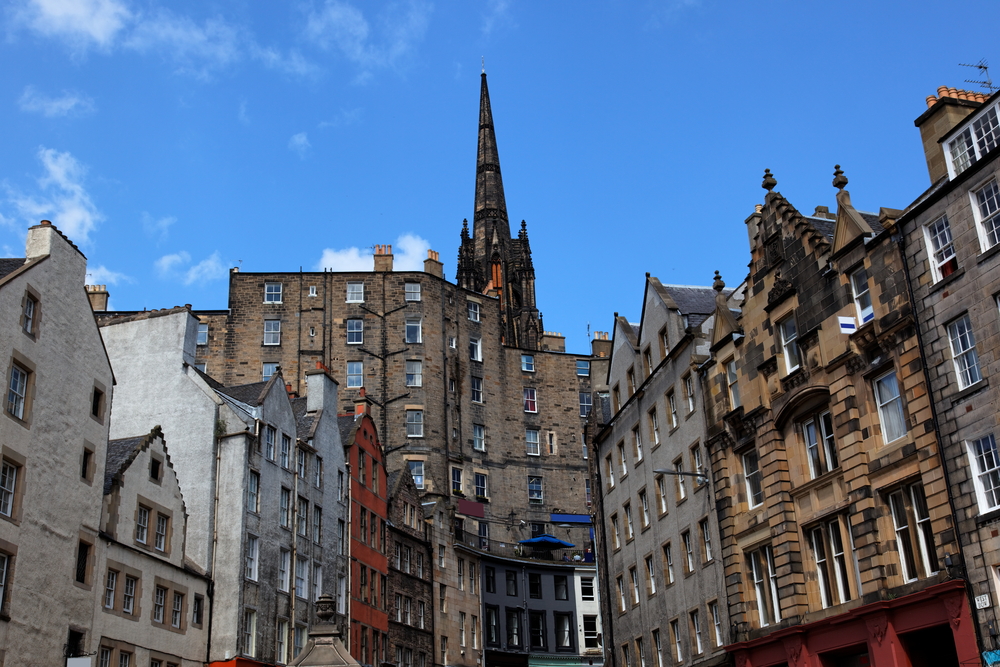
(175, 140)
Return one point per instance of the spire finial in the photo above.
(718, 285)
(484, 64)
(769, 181)
(839, 180)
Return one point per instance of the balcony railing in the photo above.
(511, 549)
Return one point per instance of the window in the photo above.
(284, 569)
(481, 490)
(177, 610)
(251, 560)
(414, 373)
(699, 646)
(413, 330)
(417, 472)
(590, 631)
(530, 405)
(142, 525)
(355, 374)
(689, 392)
(473, 309)
(630, 379)
(661, 494)
(82, 562)
(456, 481)
(318, 473)
(609, 471)
(675, 636)
(644, 502)
(109, 589)
(202, 334)
(513, 628)
(890, 407)
(732, 380)
(411, 291)
(830, 558)
(706, 541)
(616, 398)
(18, 391)
(862, 297)
(124, 659)
(282, 641)
(303, 517)
(963, 352)
(622, 602)
(972, 143)
(534, 489)
(658, 646)
(269, 369)
(629, 526)
(355, 292)
(672, 409)
(272, 332)
(654, 427)
(942, 248)
(821, 446)
(286, 447)
(159, 603)
(531, 441)
(414, 424)
(987, 205)
(317, 524)
(713, 609)
(583, 368)
(765, 584)
(8, 486)
(914, 538)
(250, 633)
(753, 478)
(647, 362)
(622, 460)
(789, 343)
(355, 332)
(285, 508)
(160, 539)
(586, 403)
(650, 576)
(477, 389)
(680, 480)
(688, 551)
(561, 584)
(587, 491)
(564, 635)
(272, 292)
(301, 465)
(479, 437)
(301, 568)
(528, 363)
(476, 349)
(535, 585)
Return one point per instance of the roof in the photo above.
(251, 394)
(10, 264)
(346, 424)
(826, 227)
(305, 421)
(120, 455)
(692, 300)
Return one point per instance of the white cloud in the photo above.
(177, 266)
(300, 144)
(242, 114)
(292, 63)
(197, 49)
(66, 104)
(60, 198)
(497, 15)
(81, 22)
(409, 252)
(342, 118)
(156, 228)
(342, 26)
(101, 275)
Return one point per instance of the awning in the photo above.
(569, 518)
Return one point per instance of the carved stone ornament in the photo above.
(770, 182)
(856, 364)
(796, 379)
(877, 626)
(780, 288)
(793, 650)
(953, 605)
(769, 367)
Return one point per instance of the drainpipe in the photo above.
(901, 241)
(294, 557)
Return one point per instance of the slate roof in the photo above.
(825, 226)
(304, 420)
(9, 265)
(120, 455)
(212, 382)
(346, 425)
(251, 394)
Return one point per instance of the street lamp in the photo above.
(701, 476)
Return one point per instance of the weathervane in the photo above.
(484, 64)
(983, 67)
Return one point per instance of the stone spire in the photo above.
(490, 203)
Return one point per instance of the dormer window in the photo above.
(789, 343)
(972, 143)
(942, 248)
(862, 297)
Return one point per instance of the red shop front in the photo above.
(930, 628)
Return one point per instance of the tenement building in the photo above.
(951, 240)
(53, 445)
(662, 590)
(837, 533)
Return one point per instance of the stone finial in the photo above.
(326, 607)
(718, 285)
(769, 181)
(839, 180)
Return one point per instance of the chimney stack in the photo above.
(383, 258)
(947, 110)
(98, 295)
(362, 404)
(433, 265)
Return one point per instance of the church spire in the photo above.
(490, 203)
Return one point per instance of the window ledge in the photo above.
(970, 390)
(988, 254)
(989, 517)
(946, 281)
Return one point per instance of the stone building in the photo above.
(662, 588)
(368, 637)
(951, 241)
(152, 607)
(53, 435)
(411, 614)
(834, 513)
(262, 475)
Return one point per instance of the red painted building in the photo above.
(369, 630)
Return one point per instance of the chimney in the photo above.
(944, 112)
(433, 265)
(98, 295)
(383, 258)
(600, 346)
(321, 390)
(362, 404)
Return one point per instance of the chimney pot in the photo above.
(45, 222)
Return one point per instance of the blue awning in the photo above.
(569, 518)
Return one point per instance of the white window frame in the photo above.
(355, 292)
(414, 373)
(271, 366)
(417, 472)
(528, 363)
(861, 294)
(940, 248)
(536, 492)
(963, 352)
(764, 580)
(975, 140)
(252, 560)
(789, 335)
(482, 490)
(411, 291)
(142, 525)
(17, 390)
(272, 292)
(583, 368)
(752, 494)
(821, 444)
(689, 393)
(472, 311)
(476, 349)
(355, 331)
(414, 423)
(984, 459)
(476, 387)
(272, 332)
(986, 210)
(733, 384)
(355, 374)
(530, 400)
(532, 442)
(479, 437)
(202, 334)
(413, 325)
(889, 405)
(8, 489)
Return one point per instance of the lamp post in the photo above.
(701, 476)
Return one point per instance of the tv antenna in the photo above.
(984, 71)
